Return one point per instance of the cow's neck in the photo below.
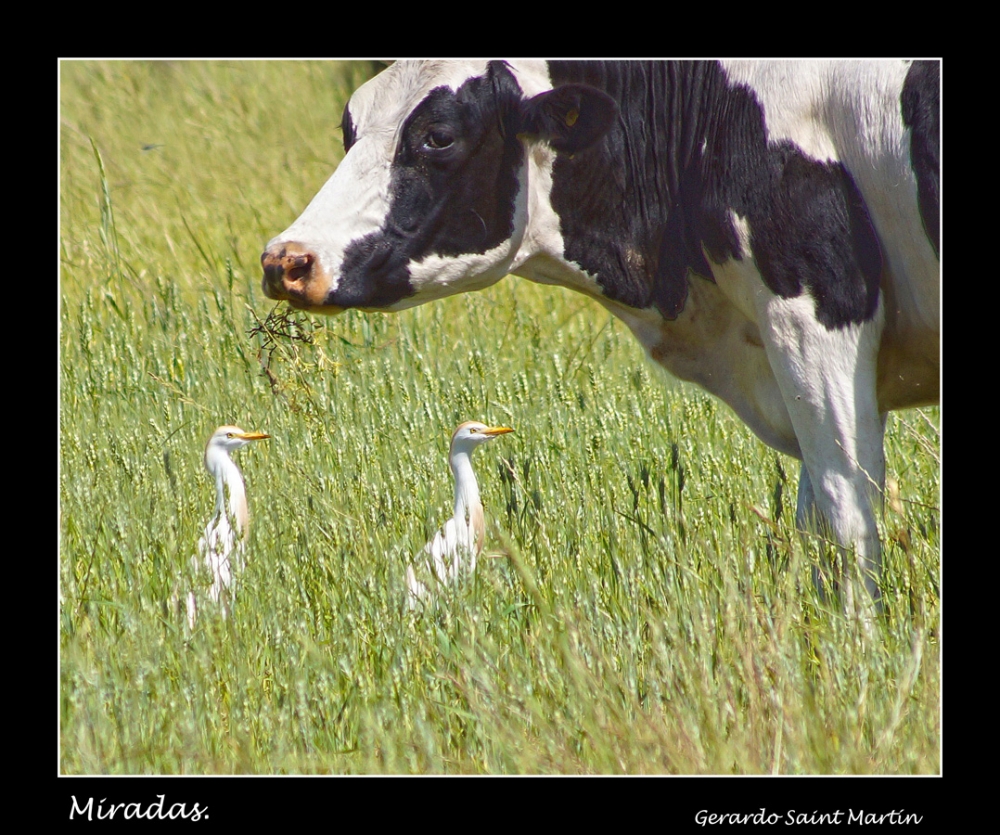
(636, 225)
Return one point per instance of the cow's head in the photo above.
(431, 198)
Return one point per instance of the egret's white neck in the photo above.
(228, 477)
(466, 486)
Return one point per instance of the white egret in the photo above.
(462, 535)
(223, 542)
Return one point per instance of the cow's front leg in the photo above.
(809, 518)
(827, 380)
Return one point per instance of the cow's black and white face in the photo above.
(431, 198)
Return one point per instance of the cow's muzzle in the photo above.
(292, 272)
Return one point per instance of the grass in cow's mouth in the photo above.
(648, 607)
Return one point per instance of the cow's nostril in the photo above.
(298, 266)
(281, 266)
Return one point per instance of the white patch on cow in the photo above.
(354, 201)
(437, 276)
(384, 102)
(792, 94)
(541, 257)
(739, 280)
(532, 76)
(542, 236)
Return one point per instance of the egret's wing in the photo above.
(417, 590)
(217, 548)
(455, 541)
(446, 549)
(477, 534)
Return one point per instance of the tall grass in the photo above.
(645, 605)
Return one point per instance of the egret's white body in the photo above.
(461, 538)
(221, 547)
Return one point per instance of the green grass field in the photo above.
(646, 606)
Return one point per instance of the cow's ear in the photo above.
(570, 118)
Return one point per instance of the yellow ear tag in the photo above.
(571, 117)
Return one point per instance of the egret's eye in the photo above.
(229, 434)
(438, 139)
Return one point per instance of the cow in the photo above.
(768, 230)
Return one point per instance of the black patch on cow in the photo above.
(452, 187)
(619, 201)
(641, 206)
(816, 232)
(920, 103)
(347, 127)
(374, 274)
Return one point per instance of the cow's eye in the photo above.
(438, 139)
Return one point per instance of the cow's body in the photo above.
(768, 230)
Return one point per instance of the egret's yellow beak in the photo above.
(253, 436)
(497, 430)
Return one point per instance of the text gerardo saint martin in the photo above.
(794, 817)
